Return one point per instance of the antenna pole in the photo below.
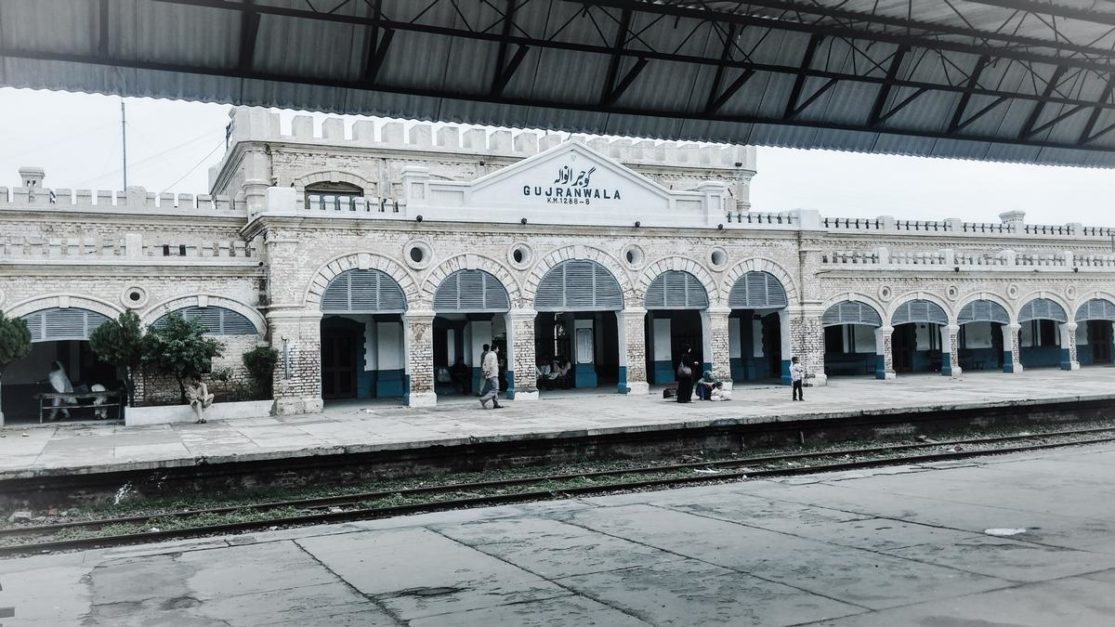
(124, 141)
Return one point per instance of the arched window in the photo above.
(675, 289)
(216, 320)
(578, 285)
(57, 324)
(757, 290)
(332, 196)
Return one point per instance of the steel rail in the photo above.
(367, 513)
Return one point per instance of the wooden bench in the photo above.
(112, 400)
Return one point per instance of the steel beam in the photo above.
(249, 29)
(884, 90)
(1035, 112)
(1058, 9)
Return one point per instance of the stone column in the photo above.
(296, 335)
(720, 353)
(808, 337)
(785, 333)
(1068, 347)
(522, 360)
(884, 356)
(631, 325)
(950, 355)
(418, 346)
(1011, 348)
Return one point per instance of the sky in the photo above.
(76, 139)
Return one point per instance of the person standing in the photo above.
(687, 365)
(797, 378)
(60, 383)
(489, 369)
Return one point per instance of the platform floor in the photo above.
(896, 546)
(355, 427)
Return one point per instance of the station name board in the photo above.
(571, 188)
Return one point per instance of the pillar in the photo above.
(718, 344)
(1011, 348)
(584, 353)
(522, 360)
(1068, 346)
(950, 360)
(631, 326)
(662, 357)
(808, 337)
(884, 358)
(418, 373)
(296, 335)
(785, 338)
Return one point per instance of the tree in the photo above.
(260, 362)
(15, 344)
(120, 343)
(180, 349)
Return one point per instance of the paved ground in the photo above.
(366, 427)
(899, 546)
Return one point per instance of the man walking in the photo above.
(797, 374)
(489, 369)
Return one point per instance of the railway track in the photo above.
(20, 540)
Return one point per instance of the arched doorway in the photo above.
(471, 308)
(850, 343)
(576, 326)
(58, 334)
(1041, 334)
(362, 339)
(1094, 336)
(916, 340)
(758, 328)
(677, 311)
(984, 336)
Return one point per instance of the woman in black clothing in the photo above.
(687, 365)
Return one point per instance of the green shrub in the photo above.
(180, 349)
(260, 362)
(120, 342)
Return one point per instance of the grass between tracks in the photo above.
(155, 510)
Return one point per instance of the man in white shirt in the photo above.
(489, 369)
(797, 376)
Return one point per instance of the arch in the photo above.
(555, 257)
(332, 176)
(982, 310)
(851, 312)
(987, 296)
(919, 310)
(902, 299)
(678, 264)
(360, 261)
(1095, 309)
(578, 285)
(57, 324)
(153, 314)
(437, 276)
(360, 291)
(1042, 308)
(757, 290)
(216, 320)
(471, 291)
(759, 264)
(63, 301)
(676, 289)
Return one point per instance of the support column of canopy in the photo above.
(1068, 346)
(296, 335)
(522, 360)
(1011, 346)
(418, 376)
(632, 351)
(950, 360)
(884, 364)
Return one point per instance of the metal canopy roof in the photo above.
(1011, 80)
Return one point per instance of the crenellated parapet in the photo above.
(261, 125)
(136, 200)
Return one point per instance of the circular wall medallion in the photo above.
(952, 292)
(634, 256)
(520, 255)
(133, 297)
(718, 257)
(885, 293)
(1012, 290)
(1070, 291)
(418, 254)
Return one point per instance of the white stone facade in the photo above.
(419, 204)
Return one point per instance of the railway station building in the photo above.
(378, 259)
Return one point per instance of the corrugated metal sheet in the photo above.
(190, 49)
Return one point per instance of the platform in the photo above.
(892, 546)
(357, 428)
